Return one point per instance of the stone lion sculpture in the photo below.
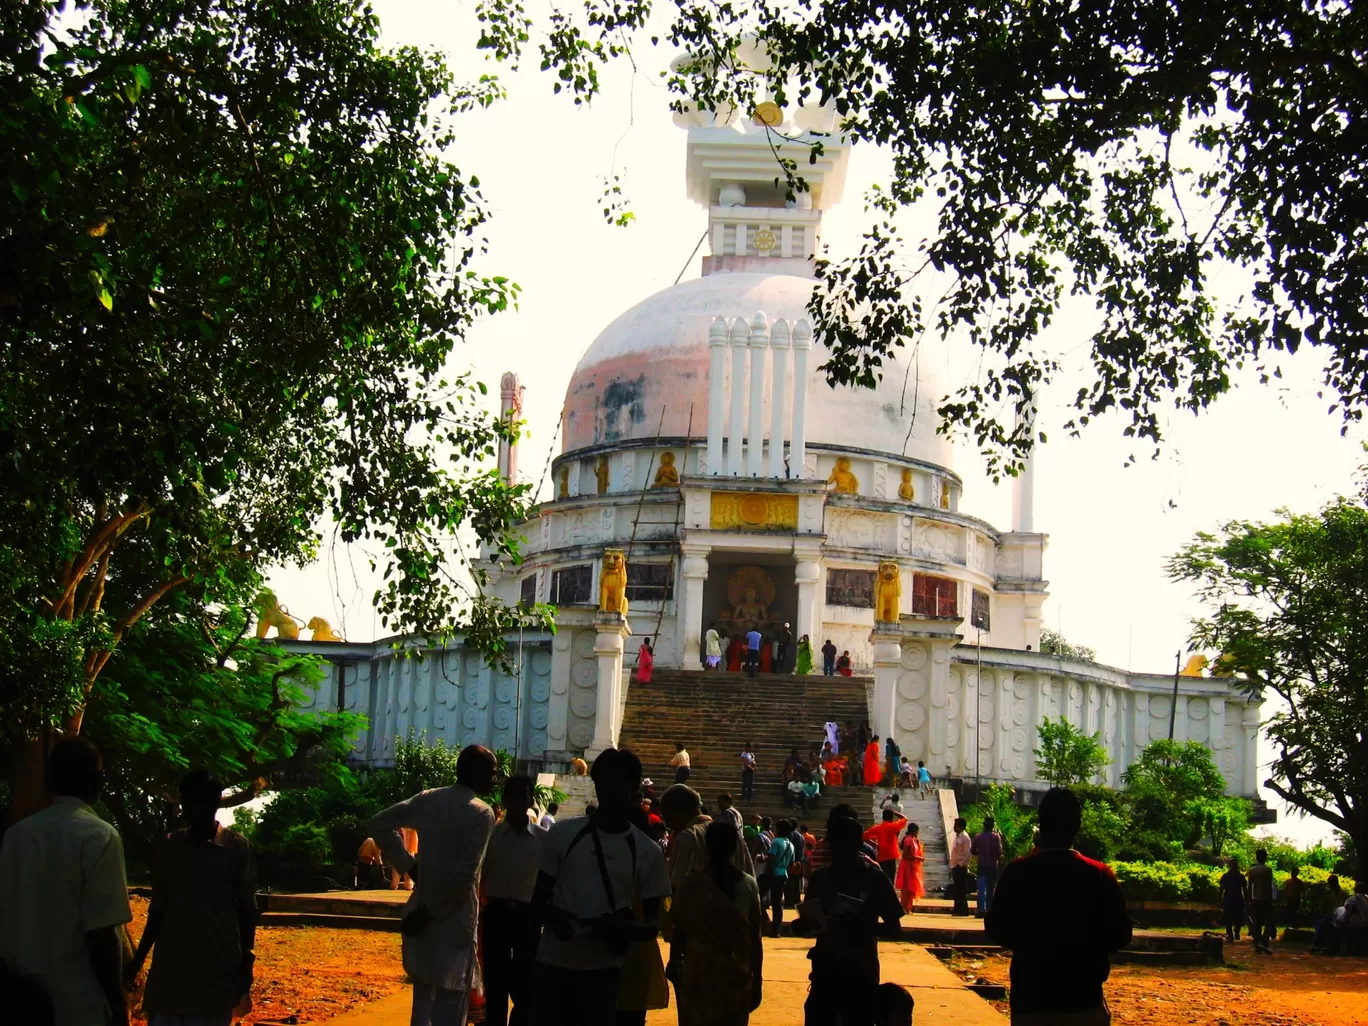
(271, 613)
(322, 630)
(887, 592)
(613, 583)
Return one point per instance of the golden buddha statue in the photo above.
(846, 483)
(945, 495)
(667, 476)
(601, 473)
(905, 491)
(750, 611)
(564, 492)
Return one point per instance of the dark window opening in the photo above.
(850, 588)
(650, 582)
(573, 586)
(935, 596)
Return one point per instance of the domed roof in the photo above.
(654, 358)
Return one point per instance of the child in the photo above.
(923, 779)
(905, 774)
(892, 1006)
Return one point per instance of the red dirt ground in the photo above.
(311, 973)
(1285, 989)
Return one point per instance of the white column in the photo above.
(779, 342)
(887, 667)
(717, 369)
(740, 341)
(694, 574)
(755, 430)
(802, 343)
(611, 629)
(807, 574)
(510, 412)
(1023, 487)
(1250, 754)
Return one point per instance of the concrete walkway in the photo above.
(939, 993)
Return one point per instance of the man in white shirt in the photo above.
(593, 870)
(680, 763)
(728, 808)
(64, 896)
(748, 766)
(441, 916)
(548, 819)
(959, 867)
(894, 802)
(508, 932)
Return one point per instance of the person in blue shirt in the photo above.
(923, 778)
(779, 858)
(753, 640)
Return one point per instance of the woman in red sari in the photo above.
(873, 768)
(911, 881)
(645, 662)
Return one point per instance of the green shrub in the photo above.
(305, 846)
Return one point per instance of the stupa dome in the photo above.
(653, 361)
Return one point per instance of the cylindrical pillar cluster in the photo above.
(755, 345)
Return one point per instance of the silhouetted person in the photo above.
(893, 1005)
(592, 871)
(1261, 903)
(64, 896)
(986, 846)
(24, 998)
(1234, 892)
(202, 918)
(508, 930)
(442, 914)
(845, 901)
(1061, 914)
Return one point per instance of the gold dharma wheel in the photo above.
(768, 113)
(764, 241)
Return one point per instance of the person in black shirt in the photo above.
(1061, 914)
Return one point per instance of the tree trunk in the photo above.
(29, 793)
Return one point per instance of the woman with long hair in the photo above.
(873, 768)
(645, 662)
(911, 881)
(717, 952)
(804, 664)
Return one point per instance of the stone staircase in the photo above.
(717, 714)
(926, 813)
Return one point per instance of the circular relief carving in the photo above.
(470, 718)
(911, 686)
(1075, 690)
(1018, 714)
(985, 709)
(911, 717)
(952, 706)
(536, 744)
(581, 733)
(1019, 767)
(540, 689)
(503, 691)
(912, 748)
(1227, 761)
(1158, 729)
(985, 741)
(556, 733)
(754, 509)
(583, 703)
(539, 717)
(942, 655)
(1197, 708)
(1141, 703)
(472, 690)
(584, 644)
(1047, 687)
(472, 663)
(1021, 686)
(1019, 739)
(560, 687)
(585, 674)
(504, 741)
(541, 662)
(503, 717)
(1197, 730)
(913, 656)
(562, 641)
(1159, 708)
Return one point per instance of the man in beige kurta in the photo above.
(453, 827)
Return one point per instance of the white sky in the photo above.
(541, 164)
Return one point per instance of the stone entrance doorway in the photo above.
(746, 590)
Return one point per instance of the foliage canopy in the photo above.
(1066, 755)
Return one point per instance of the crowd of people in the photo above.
(557, 920)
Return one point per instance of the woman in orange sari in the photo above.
(911, 881)
(835, 771)
(873, 767)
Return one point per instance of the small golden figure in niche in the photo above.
(945, 495)
(564, 484)
(601, 474)
(905, 491)
(668, 475)
(846, 483)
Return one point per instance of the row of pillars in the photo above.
(756, 342)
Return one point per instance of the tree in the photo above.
(1066, 755)
(1170, 787)
(1289, 600)
(233, 262)
(191, 689)
(1054, 643)
(1113, 150)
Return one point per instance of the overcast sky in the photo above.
(541, 163)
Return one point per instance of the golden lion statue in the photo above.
(613, 583)
(271, 613)
(887, 592)
(322, 630)
(1195, 665)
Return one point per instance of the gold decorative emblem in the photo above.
(768, 113)
(764, 241)
(754, 511)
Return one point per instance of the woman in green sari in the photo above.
(716, 955)
(804, 664)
